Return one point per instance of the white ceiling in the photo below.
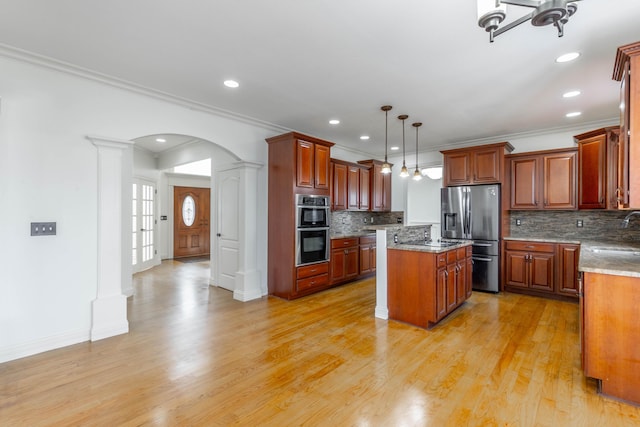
(301, 63)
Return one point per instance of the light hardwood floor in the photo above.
(194, 356)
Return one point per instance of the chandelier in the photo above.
(492, 12)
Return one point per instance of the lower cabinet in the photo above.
(314, 276)
(541, 268)
(367, 255)
(344, 260)
(423, 287)
(352, 258)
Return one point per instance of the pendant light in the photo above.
(403, 172)
(386, 167)
(416, 174)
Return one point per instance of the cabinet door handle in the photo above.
(529, 247)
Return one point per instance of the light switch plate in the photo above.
(43, 228)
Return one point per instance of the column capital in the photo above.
(102, 141)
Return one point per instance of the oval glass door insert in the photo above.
(188, 211)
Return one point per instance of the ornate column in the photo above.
(109, 309)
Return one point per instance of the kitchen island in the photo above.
(610, 297)
(427, 282)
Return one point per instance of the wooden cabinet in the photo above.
(298, 164)
(598, 152)
(610, 334)
(530, 265)
(367, 255)
(424, 287)
(475, 165)
(339, 187)
(543, 179)
(541, 268)
(312, 165)
(379, 186)
(568, 256)
(350, 186)
(344, 260)
(627, 71)
(312, 277)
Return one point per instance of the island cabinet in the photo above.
(626, 70)
(423, 287)
(598, 152)
(542, 268)
(379, 186)
(475, 165)
(298, 164)
(610, 334)
(543, 179)
(350, 186)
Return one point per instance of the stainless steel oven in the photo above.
(312, 245)
(312, 229)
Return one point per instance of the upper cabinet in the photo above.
(350, 186)
(379, 186)
(543, 179)
(626, 70)
(300, 161)
(598, 168)
(312, 164)
(475, 165)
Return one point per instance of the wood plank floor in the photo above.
(195, 356)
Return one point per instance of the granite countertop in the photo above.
(426, 248)
(610, 257)
(619, 259)
(353, 234)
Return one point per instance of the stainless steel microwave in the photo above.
(312, 211)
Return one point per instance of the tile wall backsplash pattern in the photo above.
(407, 234)
(597, 225)
(350, 222)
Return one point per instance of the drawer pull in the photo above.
(529, 247)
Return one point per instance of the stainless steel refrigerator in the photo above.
(473, 213)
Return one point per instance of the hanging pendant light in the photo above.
(417, 175)
(404, 172)
(386, 167)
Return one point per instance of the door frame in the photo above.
(139, 181)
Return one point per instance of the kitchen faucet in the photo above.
(625, 221)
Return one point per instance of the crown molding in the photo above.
(71, 69)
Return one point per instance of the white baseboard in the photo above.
(45, 344)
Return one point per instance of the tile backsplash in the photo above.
(597, 225)
(347, 222)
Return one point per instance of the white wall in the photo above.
(48, 173)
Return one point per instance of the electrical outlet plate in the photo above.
(43, 228)
(518, 221)
(579, 223)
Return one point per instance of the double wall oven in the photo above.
(312, 229)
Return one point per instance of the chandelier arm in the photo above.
(513, 24)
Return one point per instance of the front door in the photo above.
(228, 228)
(192, 209)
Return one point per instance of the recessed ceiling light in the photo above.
(574, 114)
(571, 94)
(334, 122)
(567, 57)
(394, 148)
(364, 137)
(161, 140)
(231, 83)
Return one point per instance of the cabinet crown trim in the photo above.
(296, 135)
(535, 153)
(507, 146)
(622, 56)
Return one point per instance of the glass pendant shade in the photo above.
(404, 172)
(386, 167)
(417, 176)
